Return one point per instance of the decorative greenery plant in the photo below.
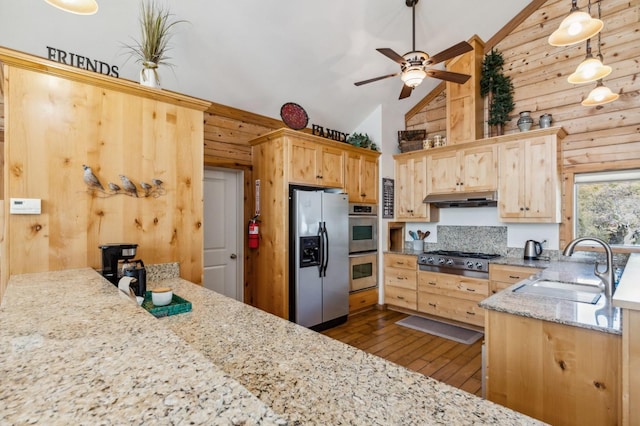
(361, 140)
(499, 88)
(156, 24)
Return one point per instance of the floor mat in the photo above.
(448, 331)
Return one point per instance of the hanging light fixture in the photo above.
(413, 75)
(79, 7)
(601, 94)
(576, 27)
(591, 69)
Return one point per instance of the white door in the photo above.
(223, 218)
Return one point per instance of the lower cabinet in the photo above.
(400, 280)
(361, 300)
(503, 276)
(452, 296)
(560, 374)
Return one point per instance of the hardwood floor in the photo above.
(376, 332)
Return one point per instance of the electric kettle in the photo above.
(532, 249)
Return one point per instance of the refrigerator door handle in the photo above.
(326, 244)
(321, 235)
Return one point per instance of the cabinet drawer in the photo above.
(510, 274)
(453, 285)
(453, 308)
(401, 261)
(402, 297)
(362, 299)
(400, 278)
(497, 286)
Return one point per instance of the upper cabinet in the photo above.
(463, 170)
(529, 189)
(464, 103)
(411, 184)
(362, 176)
(314, 164)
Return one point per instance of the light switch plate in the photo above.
(25, 206)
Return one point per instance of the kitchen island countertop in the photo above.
(98, 357)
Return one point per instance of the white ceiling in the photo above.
(257, 55)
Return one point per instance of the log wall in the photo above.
(599, 138)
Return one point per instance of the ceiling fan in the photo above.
(414, 65)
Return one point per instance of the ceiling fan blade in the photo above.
(406, 91)
(454, 77)
(452, 52)
(389, 53)
(371, 80)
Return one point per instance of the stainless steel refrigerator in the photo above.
(319, 258)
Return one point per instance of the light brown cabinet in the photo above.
(313, 164)
(280, 158)
(503, 276)
(400, 284)
(362, 177)
(452, 296)
(560, 374)
(463, 170)
(411, 188)
(529, 187)
(361, 300)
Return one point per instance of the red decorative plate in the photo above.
(294, 116)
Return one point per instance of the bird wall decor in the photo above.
(126, 186)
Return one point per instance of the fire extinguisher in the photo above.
(254, 233)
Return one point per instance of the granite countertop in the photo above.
(312, 379)
(75, 350)
(602, 316)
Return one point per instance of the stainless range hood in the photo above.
(463, 199)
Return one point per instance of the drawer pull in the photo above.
(470, 313)
(514, 277)
(471, 289)
(400, 297)
(400, 278)
(399, 263)
(433, 305)
(432, 283)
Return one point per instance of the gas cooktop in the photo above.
(455, 261)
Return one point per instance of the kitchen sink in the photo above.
(562, 290)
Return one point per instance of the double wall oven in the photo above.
(363, 246)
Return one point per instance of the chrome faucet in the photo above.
(605, 276)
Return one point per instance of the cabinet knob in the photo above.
(526, 208)
(521, 209)
(363, 195)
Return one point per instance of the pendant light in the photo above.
(79, 7)
(591, 69)
(577, 27)
(600, 95)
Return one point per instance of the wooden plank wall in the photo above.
(599, 138)
(56, 125)
(227, 132)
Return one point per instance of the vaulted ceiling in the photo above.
(257, 55)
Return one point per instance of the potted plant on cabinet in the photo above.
(156, 24)
(494, 83)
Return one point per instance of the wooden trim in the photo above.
(45, 66)
(247, 117)
(512, 24)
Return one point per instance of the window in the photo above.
(607, 206)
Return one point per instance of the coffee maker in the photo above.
(116, 261)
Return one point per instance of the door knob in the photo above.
(233, 256)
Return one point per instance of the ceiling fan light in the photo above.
(600, 95)
(576, 27)
(413, 76)
(79, 7)
(591, 69)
